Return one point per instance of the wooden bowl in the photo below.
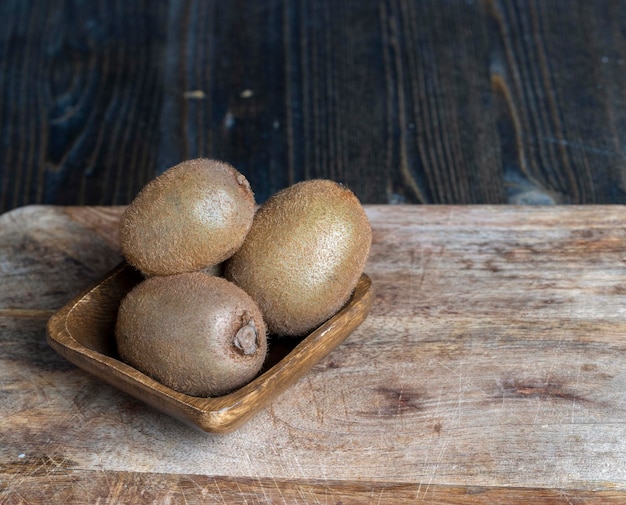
(83, 332)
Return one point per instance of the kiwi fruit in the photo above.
(198, 334)
(303, 256)
(193, 216)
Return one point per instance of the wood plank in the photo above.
(47, 254)
(65, 486)
(493, 359)
(405, 101)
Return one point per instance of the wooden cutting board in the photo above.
(492, 369)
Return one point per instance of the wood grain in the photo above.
(65, 486)
(483, 101)
(490, 370)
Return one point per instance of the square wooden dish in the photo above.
(83, 332)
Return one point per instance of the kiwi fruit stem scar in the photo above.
(245, 339)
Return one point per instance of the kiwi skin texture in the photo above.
(194, 215)
(304, 255)
(197, 334)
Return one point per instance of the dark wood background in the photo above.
(433, 101)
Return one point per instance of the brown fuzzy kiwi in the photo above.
(303, 255)
(198, 334)
(194, 215)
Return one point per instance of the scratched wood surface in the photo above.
(429, 101)
(491, 370)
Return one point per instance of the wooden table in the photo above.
(406, 101)
(491, 370)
